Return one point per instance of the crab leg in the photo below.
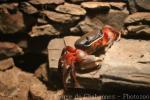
(65, 74)
(73, 73)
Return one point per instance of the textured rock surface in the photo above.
(143, 4)
(42, 72)
(118, 5)
(39, 2)
(8, 49)
(11, 23)
(28, 8)
(6, 64)
(44, 30)
(129, 65)
(95, 5)
(71, 9)
(13, 84)
(59, 17)
(136, 17)
(87, 25)
(55, 48)
(142, 27)
(114, 18)
(38, 90)
(18, 85)
(6, 8)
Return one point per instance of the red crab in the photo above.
(71, 57)
(82, 56)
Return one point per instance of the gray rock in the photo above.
(8, 49)
(118, 5)
(41, 2)
(128, 66)
(28, 8)
(11, 23)
(115, 18)
(43, 30)
(142, 20)
(132, 6)
(41, 73)
(71, 9)
(59, 17)
(6, 64)
(143, 4)
(87, 25)
(138, 17)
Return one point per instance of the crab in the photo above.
(82, 57)
(92, 42)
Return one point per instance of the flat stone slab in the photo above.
(127, 63)
(6, 64)
(55, 48)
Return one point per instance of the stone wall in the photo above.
(27, 26)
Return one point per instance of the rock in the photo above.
(70, 40)
(138, 17)
(41, 2)
(28, 8)
(78, 1)
(115, 18)
(8, 49)
(142, 20)
(41, 73)
(54, 52)
(118, 5)
(132, 6)
(145, 30)
(56, 95)
(38, 91)
(8, 7)
(44, 30)
(143, 5)
(87, 80)
(14, 84)
(18, 85)
(6, 64)
(11, 23)
(136, 28)
(59, 17)
(95, 5)
(87, 25)
(128, 66)
(42, 21)
(71, 9)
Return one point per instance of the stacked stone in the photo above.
(27, 26)
(137, 24)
